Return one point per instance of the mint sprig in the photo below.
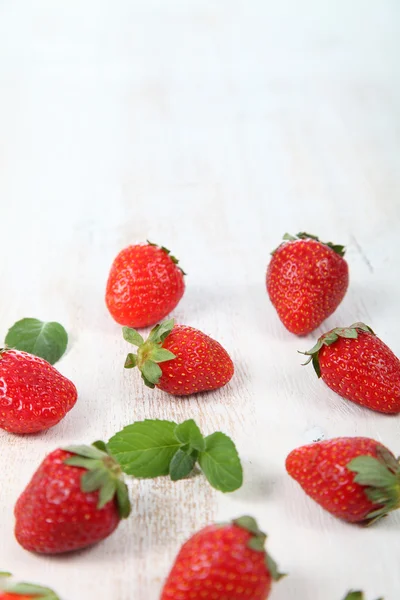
(153, 448)
(46, 340)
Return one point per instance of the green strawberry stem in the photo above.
(330, 338)
(103, 474)
(27, 589)
(149, 352)
(356, 596)
(257, 543)
(340, 250)
(381, 478)
(164, 249)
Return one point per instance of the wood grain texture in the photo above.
(212, 128)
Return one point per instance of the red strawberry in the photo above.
(357, 365)
(223, 562)
(24, 591)
(33, 394)
(144, 286)
(354, 478)
(179, 360)
(76, 498)
(306, 281)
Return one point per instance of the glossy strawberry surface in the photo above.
(144, 285)
(54, 515)
(217, 563)
(33, 394)
(201, 363)
(322, 471)
(306, 281)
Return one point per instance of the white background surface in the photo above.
(212, 128)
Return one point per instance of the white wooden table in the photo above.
(212, 128)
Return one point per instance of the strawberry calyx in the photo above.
(356, 596)
(339, 249)
(329, 338)
(26, 589)
(168, 252)
(257, 543)
(150, 352)
(381, 478)
(103, 474)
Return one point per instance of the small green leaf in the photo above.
(92, 451)
(161, 355)
(84, 463)
(388, 459)
(257, 543)
(181, 465)
(250, 524)
(132, 336)
(371, 472)
(151, 371)
(131, 361)
(354, 596)
(273, 568)
(145, 449)
(220, 463)
(47, 340)
(347, 333)
(189, 433)
(161, 331)
(92, 480)
(107, 491)
(124, 506)
(100, 445)
(5, 574)
(36, 591)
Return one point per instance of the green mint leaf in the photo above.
(132, 336)
(161, 355)
(181, 465)
(189, 433)
(47, 340)
(220, 463)
(145, 449)
(131, 361)
(151, 372)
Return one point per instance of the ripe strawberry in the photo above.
(222, 562)
(179, 360)
(357, 365)
(75, 498)
(306, 281)
(24, 591)
(33, 394)
(144, 286)
(354, 478)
